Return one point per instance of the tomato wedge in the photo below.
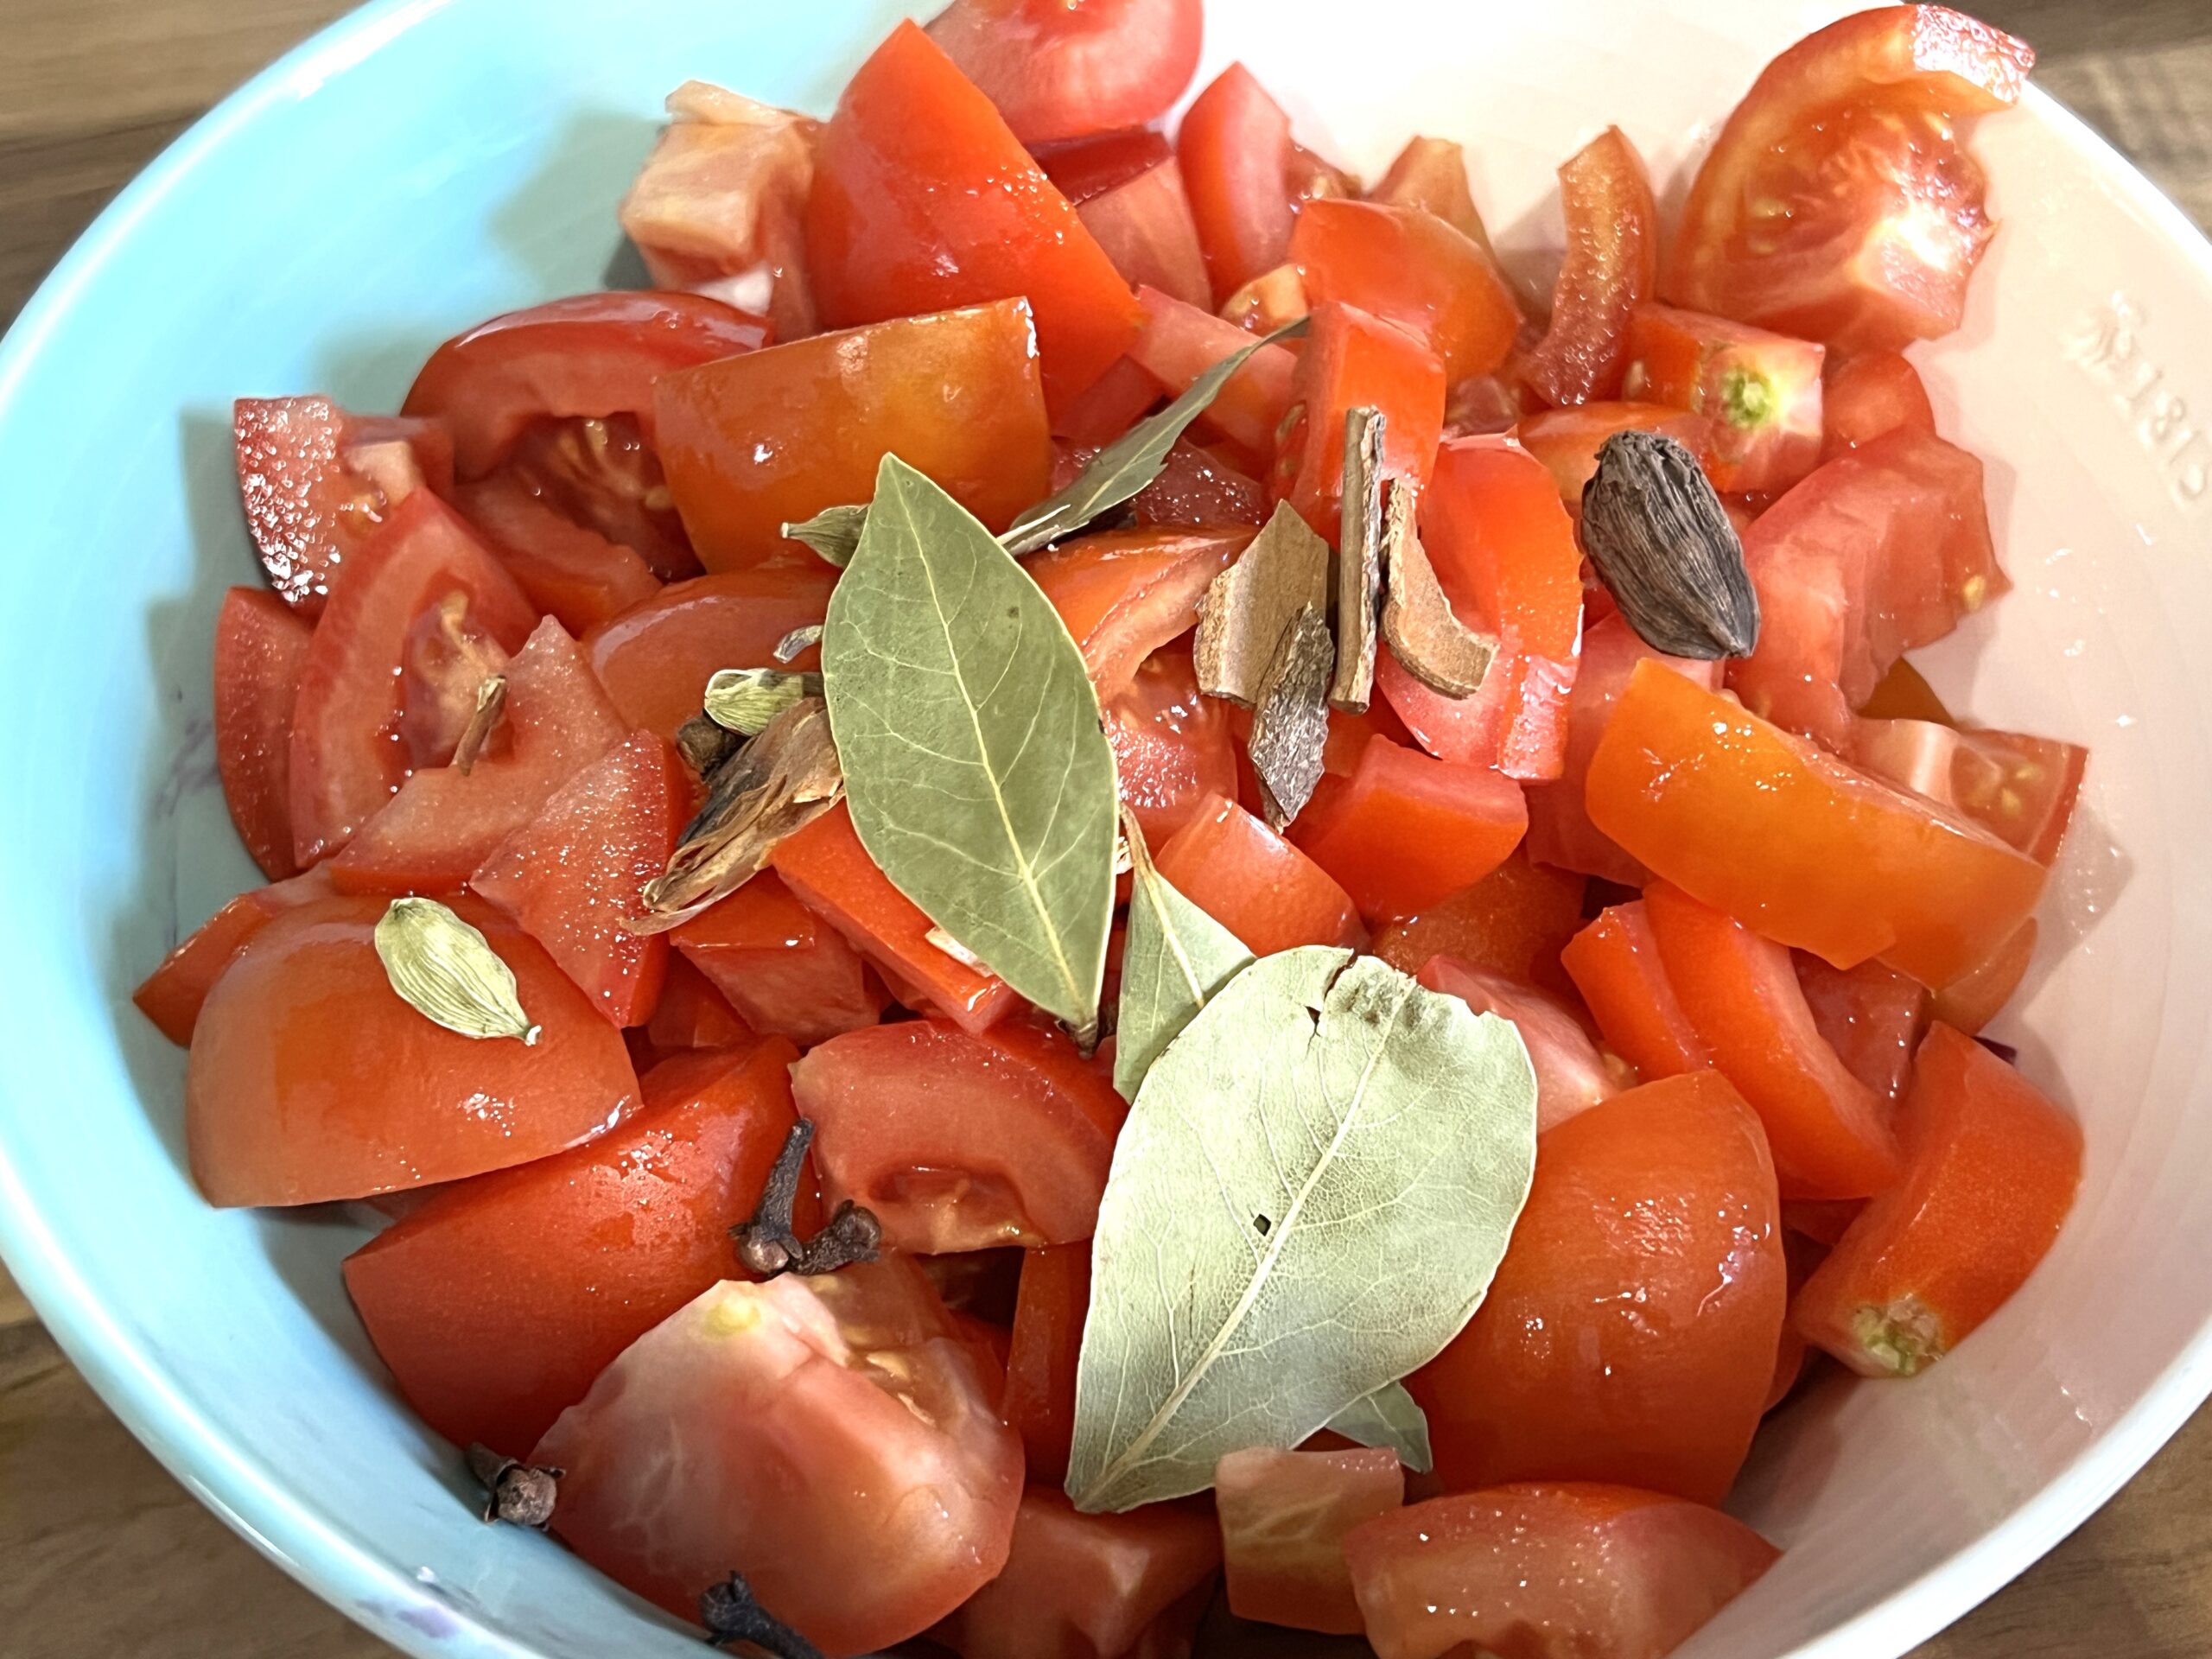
(1284, 1516)
(568, 570)
(1410, 268)
(1971, 1001)
(694, 1015)
(1616, 965)
(1872, 1016)
(1869, 395)
(1613, 262)
(785, 969)
(1116, 401)
(1146, 227)
(1085, 168)
(1059, 72)
(1431, 174)
(1567, 440)
(1049, 1311)
(1172, 747)
(1126, 594)
(1234, 148)
(1179, 343)
(498, 1302)
(1353, 361)
(655, 658)
(174, 993)
(261, 651)
(2019, 788)
(1515, 921)
(1571, 1077)
(1405, 830)
(1254, 883)
(1761, 390)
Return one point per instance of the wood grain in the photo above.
(103, 1556)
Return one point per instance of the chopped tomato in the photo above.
(1431, 174)
(353, 695)
(1991, 1170)
(1612, 262)
(1831, 1135)
(1048, 1311)
(837, 1418)
(445, 823)
(1839, 202)
(1571, 1077)
(785, 969)
(1567, 440)
(174, 992)
(1548, 1572)
(1872, 1016)
(1822, 1220)
(1271, 301)
(655, 658)
(569, 570)
(960, 1141)
(1904, 694)
(1172, 747)
(576, 873)
(605, 475)
(694, 1015)
(1353, 361)
(1085, 168)
(1126, 594)
(1180, 342)
(498, 1302)
(922, 200)
(1405, 829)
(1410, 268)
(1615, 964)
(1284, 1516)
(316, 482)
(1596, 1357)
(1197, 487)
(261, 649)
(1881, 549)
(1761, 390)
(447, 658)
(1116, 401)
(1979, 995)
(1869, 395)
(2021, 789)
(1146, 228)
(1234, 148)
(592, 355)
(1254, 883)
(284, 1104)
(753, 443)
(1060, 72)
(1761, 824)
(1515, 921)
(829, 872)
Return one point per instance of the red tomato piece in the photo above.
(2021, 789)
(1085, 168)
(1146, 228)
(1234, 148)
(1571, 1077)
(316, 482)
(1515, 921)
(863, 1395)
(605, 475)
(353, 696)
(174, 992)
(1431, 174)
(1830, 1136)
(286, 1104)
(1059, 72)
(1410, 268)
(655, 660)
(1761, 390)
(1087, 1585)
(569, 570)
(1353, 361)
(1180, 342)
(1869, 395)
(1172, 747)
(1405, 830)
(694, 1015)
(1821, 1220)
(1116, 401)
(574, 873)
(1991, 1170)
(1839, 202)
(445, 823)
(1284, 1516)
(1048, 1311)
(1979, 996)
(1199, 486)
(1566, 441)
(1549, 1572)
(785, 969)
(1254, 883)
(915, 148)
(1872, 1016)
(1761, 824)
(1904, 694)
(498, 1302)
(1599, 1354)
(1615, 964)
(1611, 266)
(829, 872)
(960, 1141)
(261, 649)
(1126, 594)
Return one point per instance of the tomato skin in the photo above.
(568, 570)
(1085, 168)
(915, 144)
(286, 1103)
(174, 993)
(1549, 1572)
(1971, 1001)
(1872, 1016)
(1256, 884)
(1602, 1353)
(1869, 395)
(1405, 830)
(497, 1303)
(1179, 342)
(1146, 228)
(1234, 149)
(1759, 824)
(1761, 392)
(1116, 401)
(1571, 1077)
(692, 1014)
(842, 1418)
(1410, 268)
(1611, 266)
(2019, 788)
(261, 649)
(1616, 965)
(1991, 1170)
(1567, 440)
(1515, 921)
(1059, 72)
(1049, 1311)
(1284, 1516)
(1172, 747)
(785, 969)
(1431, 174)
(1352, 361)
(1126, 594)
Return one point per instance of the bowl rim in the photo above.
(313, 1544)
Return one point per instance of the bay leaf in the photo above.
(1391, 1418)
(834, 532)
(975, 756)
(1249, 608)
(1120, 471)
(1313, 1189)
(1176, 957)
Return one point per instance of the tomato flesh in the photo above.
(1116, 401)
(1978, 997)
(1256, 884)
(1179, 342)
(1353, 360)
(1410, 268)
(1761, 390)
(1612, 262)
(1868, 396)
(1284, 1516)
(1172, 747)
(1059, 72)
(1515, 921)
(1566, 441)
(655, 658)
(1872, 1016)
(1405, 830)
(1431, 174)
(1049, 1311)
(1126, 594)
(1085, 168)
(261, 649)
(692, 1014)
(2019, 788)
(1571, 1077)
(1234, 148)
(1615, 964)
(785, 969)
(174, 993)
(568, 570)
(1146, 228)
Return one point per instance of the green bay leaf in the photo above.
(975, 758)
(1311, 1195)
(1391, 1418)
(834, 532)
(1177, 956)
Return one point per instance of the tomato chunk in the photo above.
(174, 993)
(1049, 1311)
(498, 1302)
(1515, 921)
(829, 872)
(785, 969)
(858, 1395)
(923, 199)
(1200, 487)
(2021, 789)
(1058, 73)
(1991, 1170)
(1126, 594)
(655, 660)
(1571, 1077)
(1254, 883)
(751, 443)
(1549, 1572)
(692, 1013)
(1566, 441)
(569, 570)
(1179, 343)
(1234, 148)
(1405, 830)
(1612, 262)
(1971, 1001)
(1172, 747)
(1146, 227)
(1761, 390)
(1431, 174)
(1872, 1016)
(285, 1105)
(1868, 396)
(1615, 964)
(1353, 361)
(1085, 167)
(1904, 694)
(1116, 401)
(261, 649)
(1410, 268)
(1762, 825)
(959, 1141)
(1284, 1516)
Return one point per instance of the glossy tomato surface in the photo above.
(1058, 71)
(1615, 964)
(1179, 342)
(1146, 228)
(782, 967)
(174, 993)
(1571, 1075)
(1256, 884)
(1613, 262)
(1761, 390)
(655, 659)
(261, 649)
(1284, 1516)
(1405, 830)
(1353, 360)
(1173, 746)
(1234, 148)
(1050, 1308)
(1125, 594)
(1515, 921)
(1410, 268)
(569, 570)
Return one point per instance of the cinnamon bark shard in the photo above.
(1359, 561)
(1427, 639)
(1290, 727)
(1250, 607)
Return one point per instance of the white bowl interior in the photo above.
(431, 162)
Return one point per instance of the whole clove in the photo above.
(732, 1614)
(520, 1494)
(767, 1246)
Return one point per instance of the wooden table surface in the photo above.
(103, 1556)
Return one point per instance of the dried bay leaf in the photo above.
(834, 532)
(1249, 608)
(975, 758)
(1655, 529)
(448, 972)
(1423, 632)
(1176, 957)
(1359, 561)
(1290, 725)
(745, 699)
(1313, 1189)
(1388, 1417)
